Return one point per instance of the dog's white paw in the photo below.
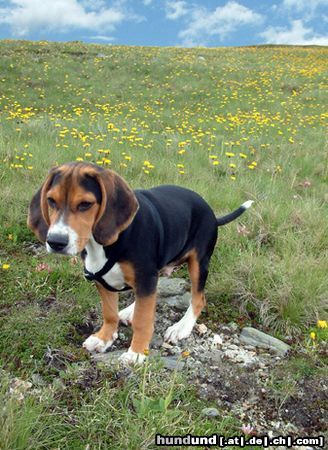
(131, 357)
(181, 329)
(94, 344)
(126, 314)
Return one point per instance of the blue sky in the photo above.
(184, 23)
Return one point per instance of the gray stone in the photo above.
(157, 341)
(233, 326)
(172, 362)
(210, 412)
(252, 336)
(107, 357)
(181, 302)
(243, 357)
(215, 356)
(168, 287)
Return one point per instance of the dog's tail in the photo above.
(232, 216)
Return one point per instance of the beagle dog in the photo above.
(126, 238)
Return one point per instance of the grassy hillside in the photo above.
(233, 124)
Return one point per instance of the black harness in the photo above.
(98, 276)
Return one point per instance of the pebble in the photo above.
(217, 340)
(210, 412)
(202, 328)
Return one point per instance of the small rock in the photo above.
(210, 412)
(217, 340)
(181, 302)
(202, 328)
(172, 362)
(107, 357)
(233, 326)
(215, 356)
(168, 287)
(233, 346)
(252, 336)
(241, 356)
(166, 345)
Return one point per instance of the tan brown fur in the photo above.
(109, 303)
(143, 323)
(198, 301)
(129, 273)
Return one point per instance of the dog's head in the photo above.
(77, 201)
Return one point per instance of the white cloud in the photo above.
(301, 5)
(24, 16)
(176, 9)
(147, 2)
(297, 34)
(101, 38)
(204, 24)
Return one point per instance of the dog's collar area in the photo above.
(98, 276)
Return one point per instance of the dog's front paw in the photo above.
(95, 344)
(131, 357)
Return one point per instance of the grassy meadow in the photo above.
(231, 123)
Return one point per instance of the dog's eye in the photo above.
(84, 206)
(52, 203)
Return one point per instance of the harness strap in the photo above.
(98, 276)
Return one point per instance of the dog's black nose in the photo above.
(57, 241)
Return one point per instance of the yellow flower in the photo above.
(10, 237)
(5, 266)
(312, 335)
(322, 324)
(215, 163)
(232, 165)
(242, 155)
(185, 354)
(146, 352)
(229, 154)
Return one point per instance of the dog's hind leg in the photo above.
(198, 271)
(126, 314)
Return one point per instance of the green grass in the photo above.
(123, 106)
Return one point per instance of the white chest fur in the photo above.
(95, 261)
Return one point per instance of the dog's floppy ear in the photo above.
(38, 215)
(118, 207)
